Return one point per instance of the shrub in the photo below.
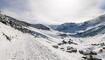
(7, 37)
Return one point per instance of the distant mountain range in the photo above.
(85, 29)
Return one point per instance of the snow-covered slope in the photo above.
(70, 41)
(16, 45)
(89, 28)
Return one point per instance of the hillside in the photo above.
(89, 28)
(69, 41)
(17, 45)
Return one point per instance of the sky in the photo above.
(53, 11)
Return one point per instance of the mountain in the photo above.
(21, 40)
(18, 42)
(89, 28)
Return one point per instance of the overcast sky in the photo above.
(53, 11)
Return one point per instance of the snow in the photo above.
(15, 45)
(23, 46)
(83, 44)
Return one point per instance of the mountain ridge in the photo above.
(81, 28)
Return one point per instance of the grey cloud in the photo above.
(59, 11)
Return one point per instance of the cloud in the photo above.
(56, 11)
